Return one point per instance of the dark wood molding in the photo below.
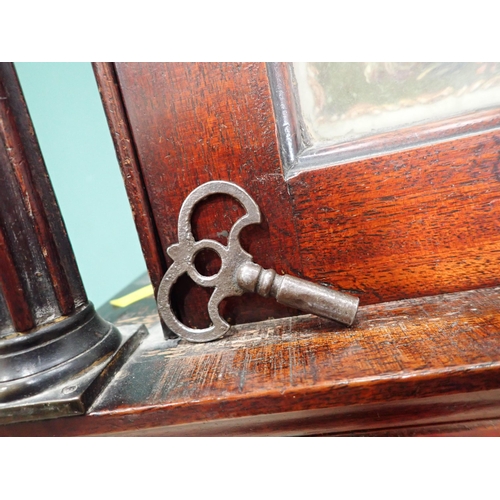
(31, 223)
(472, 428)
(49, 332)
(418, 362)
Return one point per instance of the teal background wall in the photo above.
(76, 144)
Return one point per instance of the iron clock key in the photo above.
(238, 273)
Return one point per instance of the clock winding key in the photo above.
(238, 273)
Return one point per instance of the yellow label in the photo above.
(130, 298)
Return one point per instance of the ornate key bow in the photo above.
(238, 273)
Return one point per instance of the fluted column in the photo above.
(49, 331)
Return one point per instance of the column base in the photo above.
(68, 387)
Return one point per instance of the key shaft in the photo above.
(298, 293)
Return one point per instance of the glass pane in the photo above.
(341, 102)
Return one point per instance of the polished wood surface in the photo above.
(407, 224)
(473, 428)
(192, 123)
(397, 228)
(403, 364)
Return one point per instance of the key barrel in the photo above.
(298, 293)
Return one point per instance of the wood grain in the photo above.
(418, 222)
(407, 363)
(192, 123)
(473, 428)
(400, 226)
(409, 224)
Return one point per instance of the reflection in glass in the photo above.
(346, 101)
